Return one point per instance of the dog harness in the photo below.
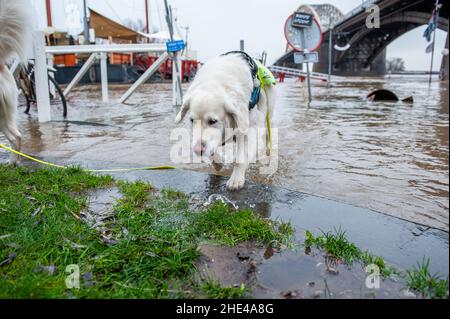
(261, 76)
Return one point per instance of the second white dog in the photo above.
(15, 24)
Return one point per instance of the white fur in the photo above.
(221, 91)
(14, 36)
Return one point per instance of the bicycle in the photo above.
(27, 85)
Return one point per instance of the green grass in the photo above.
(155, 238)
(217, 225)
(338, 246)
(429, 286)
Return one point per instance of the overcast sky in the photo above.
(216, 26)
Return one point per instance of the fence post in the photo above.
(104, 73)
(41, 77)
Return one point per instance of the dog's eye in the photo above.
(211, 122)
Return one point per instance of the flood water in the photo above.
(390, 157)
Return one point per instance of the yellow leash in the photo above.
(149, 168)
(269, 128)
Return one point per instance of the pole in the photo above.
(330, 55)
(436, 19)
(242, 46)
(104, 73)
(307, 66)
(187, 38)
(86, 24)
(176, 67)
(147, 18)
(48, 6)
(41, 77)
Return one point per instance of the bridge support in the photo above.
(444, 65)
(348, 67)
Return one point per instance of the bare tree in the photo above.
(395, 65)
(136, 25)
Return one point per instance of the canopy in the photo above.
(105, 28)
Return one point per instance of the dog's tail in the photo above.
(15, 31)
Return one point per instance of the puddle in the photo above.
(100, 214)
(290, 274)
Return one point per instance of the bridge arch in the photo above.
(373, 42)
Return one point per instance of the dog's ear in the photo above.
(183, 111)
(239, 114)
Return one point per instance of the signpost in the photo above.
(304, 34)
(175, 46)
(311, 57)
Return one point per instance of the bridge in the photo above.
(367, 52)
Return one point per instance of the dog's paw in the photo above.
(235, 183)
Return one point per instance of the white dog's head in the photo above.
(211, 113)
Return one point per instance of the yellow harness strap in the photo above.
(149, 168)
(269, 129)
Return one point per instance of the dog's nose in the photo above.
(200, 148)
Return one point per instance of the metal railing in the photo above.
(44, 56)
(297, 72)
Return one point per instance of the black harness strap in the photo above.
(254, 99)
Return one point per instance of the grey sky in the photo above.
(216, 26)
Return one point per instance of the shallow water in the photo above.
(391, 157)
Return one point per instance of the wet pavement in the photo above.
(296, 273)
(352, 156)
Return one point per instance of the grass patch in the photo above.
(154, 246)
(338, 246)
(429, 286)
(218, 224)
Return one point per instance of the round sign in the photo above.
(312, 35)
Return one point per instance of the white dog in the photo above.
(218, 100)
(14, 36)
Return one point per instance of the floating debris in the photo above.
(387, 96)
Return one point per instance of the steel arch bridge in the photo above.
(367, 53)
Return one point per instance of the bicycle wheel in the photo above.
(60, 94)
(55, 100)
(25, 86)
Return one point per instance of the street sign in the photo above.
(294, 34)
(302, 20)
(175, 46)
(311, 57)
(304, 34)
